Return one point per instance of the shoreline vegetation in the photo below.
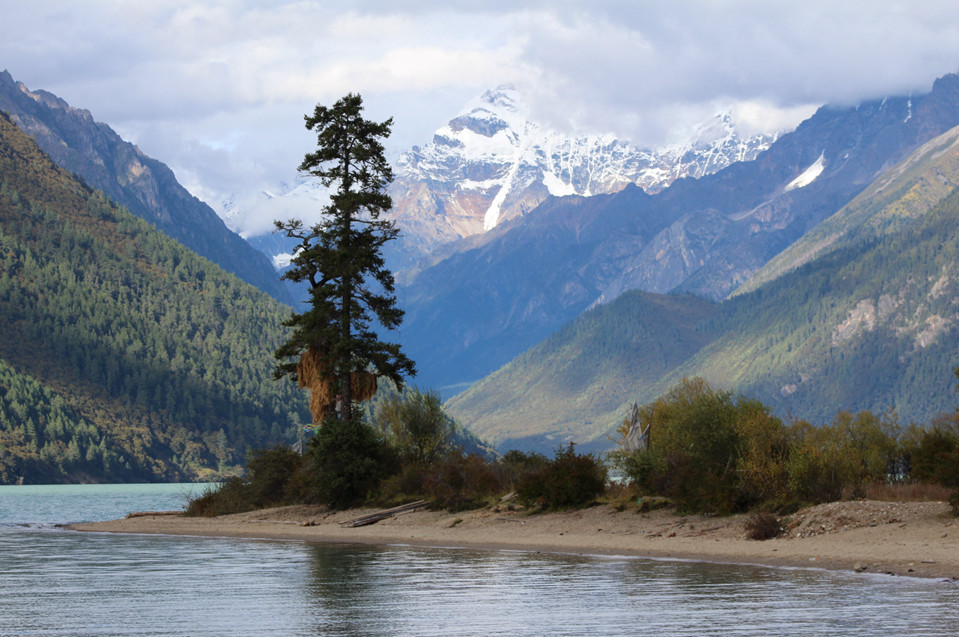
(720, 480)
(916, 539)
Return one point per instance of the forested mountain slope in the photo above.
(571, 385)
(123, 355)
(910, 190)
(874, 325)
(870, 323)
(147, 187)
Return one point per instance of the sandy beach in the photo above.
(918, 539)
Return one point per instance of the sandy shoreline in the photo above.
(916, 539)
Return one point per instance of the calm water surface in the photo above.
(58, 582)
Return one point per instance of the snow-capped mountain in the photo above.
(491, 163)
(470, 313)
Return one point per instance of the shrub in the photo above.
(814, 464)
(349, 462)
(763, 526)
(274, 477)
(934, 453)
(639, 468)
(457, 483)
(714, 452)
(763, 452)
(463, 482)
(696, 448)
(271, 477)
(954, 503)
(417, 425)
(569, 480)
(851, 453)
(516, 465)
(407, 483)
(230, 496)
(867, 448)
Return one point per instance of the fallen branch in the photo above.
(373, 518)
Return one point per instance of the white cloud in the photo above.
(257, 211)
(217, 89)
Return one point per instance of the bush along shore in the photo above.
(708, 452)
(879, 522)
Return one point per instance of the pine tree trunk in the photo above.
(346, 391)
(346, 398)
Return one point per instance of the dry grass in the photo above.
(908, 492)
(620, 496)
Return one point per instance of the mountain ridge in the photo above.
(871, 324)
(492, 163)
(147, 187)
(881, 204)
(702, 236)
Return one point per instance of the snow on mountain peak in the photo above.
(720, 127)
(492, 162)
(504, 102)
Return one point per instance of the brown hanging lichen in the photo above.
(362, 386)
(312, 373)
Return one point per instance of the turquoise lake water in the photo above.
(59, 582)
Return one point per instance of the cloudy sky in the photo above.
(217, 89)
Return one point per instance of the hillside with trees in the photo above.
(576, 380)
(143, 185)
(125, 356)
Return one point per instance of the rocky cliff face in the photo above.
(145, 186)
(492, 163)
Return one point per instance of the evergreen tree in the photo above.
(340, 258)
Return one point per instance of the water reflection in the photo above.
(344, 590)
(402, 590)
(64, 583)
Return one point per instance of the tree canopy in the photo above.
(333, 348)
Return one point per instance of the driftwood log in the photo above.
(373, 518)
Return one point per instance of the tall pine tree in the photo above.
(340, 260)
